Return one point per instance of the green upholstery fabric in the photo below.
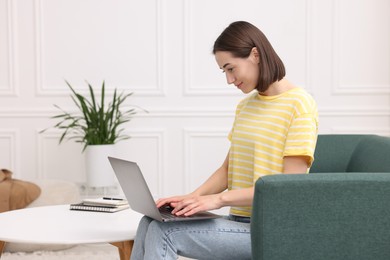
(335, 215)
(333, 152)
(371, 155)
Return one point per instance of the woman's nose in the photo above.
(230, 78)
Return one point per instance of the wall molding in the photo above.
(360, 130)
(189, 134)
(12, 89)
(308, 85)
(40, 156)
(13, 137)
(188, 117)
(354, 112)
(221, 89)
(189, 88)
(159, 134)
(347, 89)
(42, 90)
(153, 112)
(194, 112)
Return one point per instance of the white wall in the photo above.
(339, 50)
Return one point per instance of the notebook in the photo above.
(83, 207)
(105, 201)
(139, 196)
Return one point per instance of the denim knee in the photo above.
(145, 221)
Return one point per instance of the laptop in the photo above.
(139, 196)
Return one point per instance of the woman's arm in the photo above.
(199, 200)
(216, 183)
(295, 164)
(244, 197)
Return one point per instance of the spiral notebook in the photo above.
(97, 208)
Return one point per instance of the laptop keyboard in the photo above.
(166, 212)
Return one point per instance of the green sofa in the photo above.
(339, 211)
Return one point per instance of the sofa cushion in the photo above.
(372, 154)
(333, 152)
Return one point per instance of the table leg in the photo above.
(2, 245)
(124, 249)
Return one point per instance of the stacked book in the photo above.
(104, 204)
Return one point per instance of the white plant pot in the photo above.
(99, 170)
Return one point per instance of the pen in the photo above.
(106, 198)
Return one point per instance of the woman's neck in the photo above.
(278, 87)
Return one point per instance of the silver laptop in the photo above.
(139, 197)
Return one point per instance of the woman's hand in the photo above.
(190, 204)
(206, 197)
(171, 201)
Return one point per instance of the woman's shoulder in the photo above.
(302, 99)
(296, 91)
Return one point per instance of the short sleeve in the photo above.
(302, 136)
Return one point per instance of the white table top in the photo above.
(59, 225)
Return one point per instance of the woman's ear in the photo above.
(255, 54)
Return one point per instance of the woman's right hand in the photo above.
(172, 201)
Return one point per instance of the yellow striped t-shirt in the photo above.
(267, 128)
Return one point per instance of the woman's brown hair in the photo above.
(239, 38)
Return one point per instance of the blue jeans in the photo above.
(223, 238)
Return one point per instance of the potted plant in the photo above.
(98, 127)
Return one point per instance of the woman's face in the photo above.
(242, 72)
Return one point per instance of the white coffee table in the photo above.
(59, 225)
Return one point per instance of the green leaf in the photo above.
(95, 123)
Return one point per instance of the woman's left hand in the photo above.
(194, 204)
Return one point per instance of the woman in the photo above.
(275, 131)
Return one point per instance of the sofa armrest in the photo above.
(322, 216)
